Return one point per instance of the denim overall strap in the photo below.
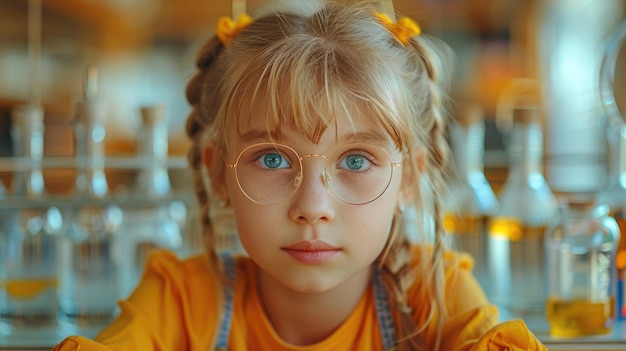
(230, 269)
(383, 311)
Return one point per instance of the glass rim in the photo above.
(327, 182)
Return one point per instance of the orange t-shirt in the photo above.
(176, 307)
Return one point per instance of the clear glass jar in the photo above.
(580, 257)
(471, 201)
(29, 229)
(88, 288)
(517, 231)
(154, 219)
(614, 194)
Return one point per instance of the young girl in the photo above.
(321, 125)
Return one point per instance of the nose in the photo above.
(313, 202)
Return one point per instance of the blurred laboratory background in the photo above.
(144, 52)
(92, 143)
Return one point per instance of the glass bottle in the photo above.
(517, 231)
(154, 219)
(88, 286)
(28, 276)
(472, 201)
(581, 247)
(614, 195)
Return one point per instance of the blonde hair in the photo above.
(309, 64)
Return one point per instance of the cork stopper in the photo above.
(90, 110)
(152, 114)
(469, 113)
(526, 115)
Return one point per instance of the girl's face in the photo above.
(311, 241)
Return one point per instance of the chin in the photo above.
(310, 284)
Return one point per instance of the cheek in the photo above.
(386, 207)
(231, 185)
(371, 224)
(256, 225)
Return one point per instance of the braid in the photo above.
(201, 116)
(398, 273)
(437, 182)
(439, 155)
(398, 277)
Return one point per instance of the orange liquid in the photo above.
(512, 229)
(469, 235)
(22, 289)
(579, 317)
(516, 265)
(464, 225)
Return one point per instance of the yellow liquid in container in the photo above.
(28, 302)
(23, 289)
(577, 318)
(516, 266)
(470, 236)
(512, 229)
(464, 225)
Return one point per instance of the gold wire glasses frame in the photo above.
(355, 173)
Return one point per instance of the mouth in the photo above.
(311, 252)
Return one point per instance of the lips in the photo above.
(311, 252)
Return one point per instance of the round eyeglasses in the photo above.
(356, 173)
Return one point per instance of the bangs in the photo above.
(307, 83)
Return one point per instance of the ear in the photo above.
(211, 160)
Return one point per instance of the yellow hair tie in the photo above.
(403, 30)
(227, 29)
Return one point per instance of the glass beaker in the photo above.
(471, 201)
(612, 87)
(517, 231)
(88, 288)
(154, 219)
(580, 257)
(29, 229)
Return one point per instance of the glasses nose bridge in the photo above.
(324, 174)
(313, 155)
(324, 157)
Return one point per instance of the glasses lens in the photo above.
(267, 172)
(359, 173)
(355, 173)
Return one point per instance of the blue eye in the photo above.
(355, 162)
(273, 161)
